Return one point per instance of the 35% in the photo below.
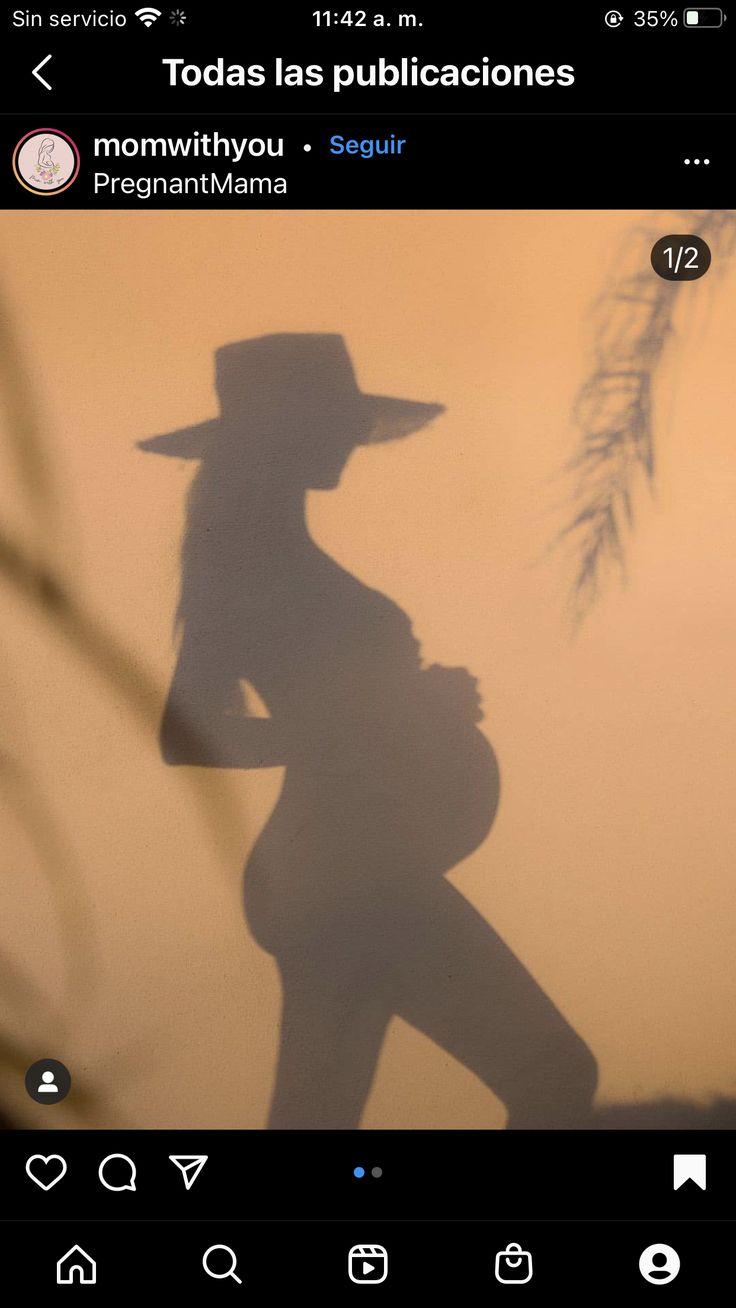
(644, 18)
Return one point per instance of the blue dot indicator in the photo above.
(358, 1171)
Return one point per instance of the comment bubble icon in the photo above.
(117, 1172)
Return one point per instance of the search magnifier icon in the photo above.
(229, 1271)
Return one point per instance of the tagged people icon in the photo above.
(48, 1081)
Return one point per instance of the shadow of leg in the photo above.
(462, 986)
(331, 1037)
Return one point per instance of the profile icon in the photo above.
(659, 1264)
(46, 162)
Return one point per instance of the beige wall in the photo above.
(610, 868)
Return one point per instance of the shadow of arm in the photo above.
(226, 743)
(199, 728)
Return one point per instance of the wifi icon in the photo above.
(148, 15)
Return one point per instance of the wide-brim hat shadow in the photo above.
(307, 373)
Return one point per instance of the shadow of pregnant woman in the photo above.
(388, 783)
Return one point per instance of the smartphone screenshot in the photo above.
(367, 705)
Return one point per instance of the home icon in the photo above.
(76, 1266)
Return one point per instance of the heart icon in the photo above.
(47, 1171)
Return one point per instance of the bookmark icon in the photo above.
(190, 1165)
(689, 1167)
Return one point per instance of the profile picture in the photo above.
(46, 162)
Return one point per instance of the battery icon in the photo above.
(703, 18)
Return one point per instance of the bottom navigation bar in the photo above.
(329, 1257)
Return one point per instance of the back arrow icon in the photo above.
(38, 76)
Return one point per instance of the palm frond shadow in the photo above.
(19, 988)
(632, 324)
(24, 425)
(120, 670)
(26, 569)
(47, 836)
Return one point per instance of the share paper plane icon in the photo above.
(190, 1165)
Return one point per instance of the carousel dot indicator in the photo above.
(358, 1171)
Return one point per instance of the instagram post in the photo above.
(367, 557)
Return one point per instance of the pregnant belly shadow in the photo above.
(389, 782)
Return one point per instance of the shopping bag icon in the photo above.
(513, 1265)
